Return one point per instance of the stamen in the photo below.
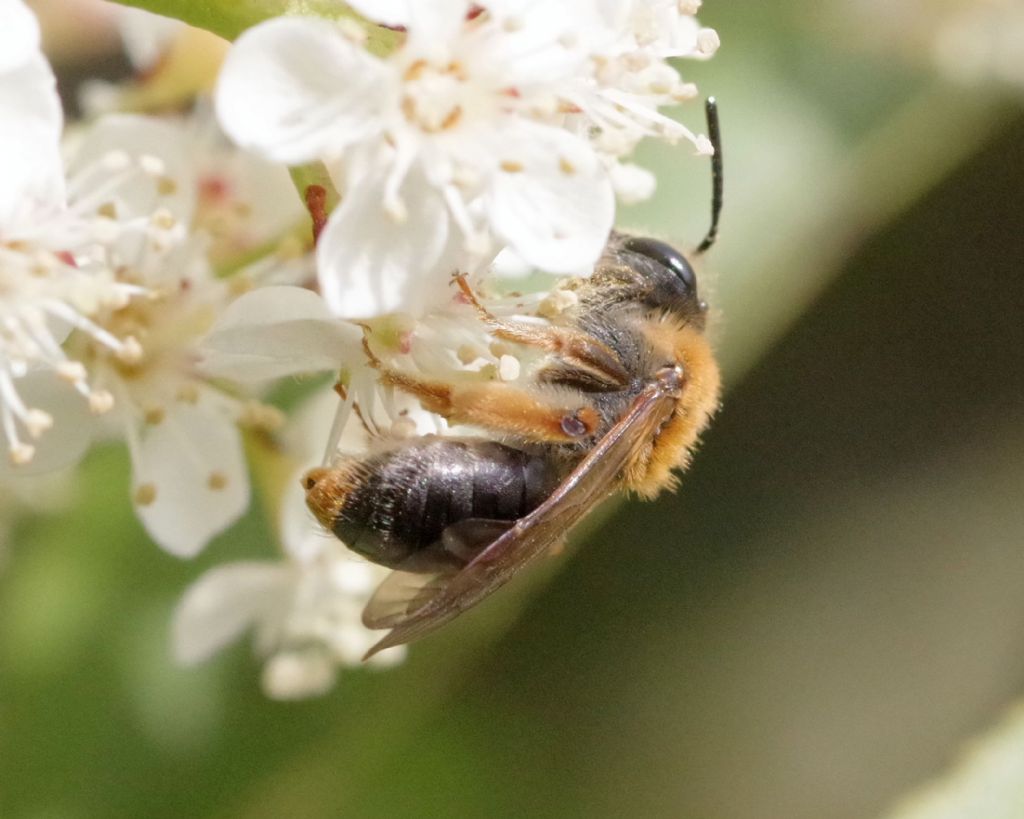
(262, 417)
(116, 160)
(341, 417)
(145, 494)
(152, 165)
(154, 415)
(188, 394)
(37, 422)
(21, 453)
(100, 402)
(73, 372)
(130, 351)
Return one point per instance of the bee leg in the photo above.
(503, 408)
(529, 415)
(573, 349)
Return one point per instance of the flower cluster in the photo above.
(158, 273)
(487, 127)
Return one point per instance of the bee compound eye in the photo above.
(665, 255)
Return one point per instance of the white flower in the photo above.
(243, 204)
(189, 479)
(19, 35)
(55, 275)
(620, 101)
(107, 290)
(443, 149)
(668, 28)
(274, 332)
(305, 609)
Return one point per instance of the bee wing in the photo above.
(400, 594)
(444, 598)
(413, 583)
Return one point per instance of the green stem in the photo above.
(229, 18)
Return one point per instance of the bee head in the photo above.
(670, 280)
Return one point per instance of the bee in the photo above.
(627, 383)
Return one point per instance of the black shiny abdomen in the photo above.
(406, 498)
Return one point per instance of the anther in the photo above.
(557, 302)
(708, 42)
(163, 219)
(37, 422)
(130, 351)
(188, 394)
(115, 160)
(508, 368)
(21, 453)
(261, 416)
(152, 165)
(73, 372)
(145, 494)
(403, 428)
(100, 401)
(154, 415)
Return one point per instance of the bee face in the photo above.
(671, 280)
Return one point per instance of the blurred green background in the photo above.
(831, 605)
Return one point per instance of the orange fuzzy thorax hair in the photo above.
(671, 448)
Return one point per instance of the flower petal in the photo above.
(223, 603)
(537, 42)
(145, 35)
(435, 21)
(261, 190)
(19, 35)
(557, 206)
(632, 183)
(278, 331)
(73, 425)
(295, 90)
(138, 137)
(389, 12)
(30, 163)
(370, 264)
(190, 480)
(294, 675)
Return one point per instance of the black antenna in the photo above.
(715, 135)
